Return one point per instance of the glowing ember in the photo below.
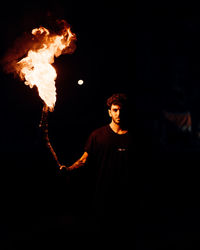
(36, 68)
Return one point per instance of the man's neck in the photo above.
(117, 128)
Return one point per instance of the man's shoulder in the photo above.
(100, 131)
(97, 136)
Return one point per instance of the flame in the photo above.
(36, 68)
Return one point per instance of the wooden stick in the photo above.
(44, 127)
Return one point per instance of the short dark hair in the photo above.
(117, 99)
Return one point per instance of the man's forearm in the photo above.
(77, 164)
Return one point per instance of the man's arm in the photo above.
(79, 163)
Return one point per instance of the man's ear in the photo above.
(109, 112)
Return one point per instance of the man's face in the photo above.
(114, 113)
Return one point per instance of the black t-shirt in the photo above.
(108, 156)
(108, 148)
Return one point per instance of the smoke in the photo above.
(15, 53)
(62, 28)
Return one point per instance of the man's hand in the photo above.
(63, 166)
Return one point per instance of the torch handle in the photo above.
(44, 126)
(44, 117)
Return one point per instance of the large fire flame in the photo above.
(36, 68)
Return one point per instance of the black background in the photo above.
(144, 49)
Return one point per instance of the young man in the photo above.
(106, 151)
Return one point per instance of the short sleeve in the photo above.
(89, 145)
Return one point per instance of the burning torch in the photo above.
(36, 68)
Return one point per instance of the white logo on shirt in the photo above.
(121, 149)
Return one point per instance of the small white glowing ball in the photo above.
(80, 82)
